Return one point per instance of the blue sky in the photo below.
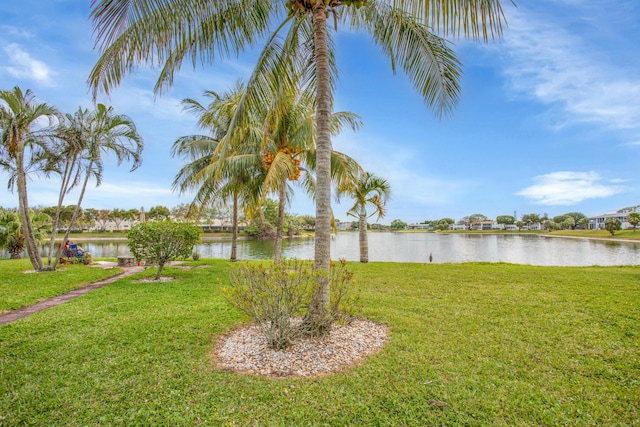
(548, 120)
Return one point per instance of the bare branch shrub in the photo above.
(272, 294)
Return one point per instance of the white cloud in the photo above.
(22, 65)
(569, 188)
(556, 67)
(17, 32)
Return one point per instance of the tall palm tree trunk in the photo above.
(322, 255)
(76, 211)
(23, 205)
(364, 244)
(64, 186)
(234, 234)
(280, 227)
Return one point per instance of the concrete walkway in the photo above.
(14, 315)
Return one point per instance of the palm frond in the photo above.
(477, 19)
(163, 32)
(426, 58)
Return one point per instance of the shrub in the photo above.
(159, 242)
(260, 230)
(343, 299)
(272, 294)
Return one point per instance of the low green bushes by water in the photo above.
(469, 344)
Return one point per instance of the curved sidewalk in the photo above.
(23, 312)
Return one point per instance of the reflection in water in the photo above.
(416, 247)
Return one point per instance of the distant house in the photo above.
(344, 225)
(111, 225)
(488, 225)
(219, 224)
(597, 222)
(534, 226)
(458, 227)
(416, 226)
(485, 225)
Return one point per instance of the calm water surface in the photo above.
(416, 247)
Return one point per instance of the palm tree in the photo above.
(130, 32)
(367, 190)
(89, 135)
(23, 136)
(215, 179)
(64, 156)
(12, 234)
(290, 149)
(633, 218)
(279, 146)
(215, 175)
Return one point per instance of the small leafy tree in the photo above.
(532, 218)
(443, 224)
(102, 217)
(260, 228)
(576, 216)
(584, 222)
(612, 224)
(162, 241)
(89, 217)
(505, 220)
(550, 225)
(398, 224)
(308, 222)
(292, 225)
(569, 223)
(264, 220)
(472, 220)
(159, 213)
(118, 216)
(634, 219)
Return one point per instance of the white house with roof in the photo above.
(597, 222)
(458, 227)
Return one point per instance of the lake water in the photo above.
(416, 247)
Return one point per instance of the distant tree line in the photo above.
(97, 219)
(567, 221)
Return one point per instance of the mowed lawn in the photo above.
(20, 286)
(470, 344)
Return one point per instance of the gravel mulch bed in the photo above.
(162, 279)
(245, 350)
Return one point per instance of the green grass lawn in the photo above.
(599, 234)
(496, 344)
(19, 286)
